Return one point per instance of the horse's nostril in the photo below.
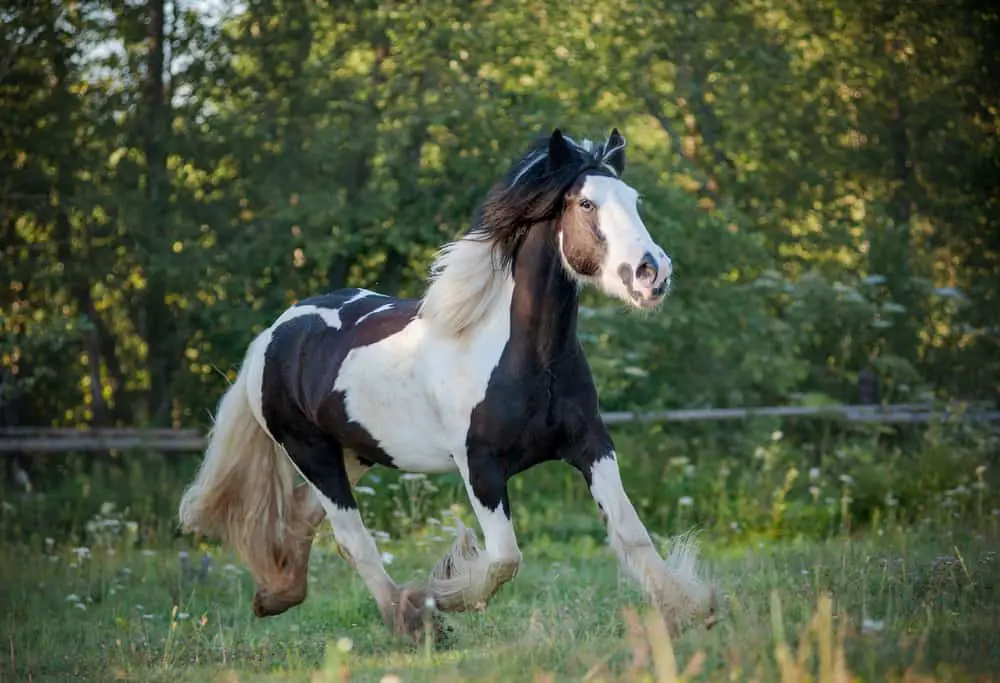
(646, 270)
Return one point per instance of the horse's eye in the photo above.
(586, 204)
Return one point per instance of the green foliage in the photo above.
(823, 175)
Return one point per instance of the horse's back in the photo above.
(306, 347)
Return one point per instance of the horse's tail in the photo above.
(243, 492)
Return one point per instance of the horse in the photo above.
(483, 374)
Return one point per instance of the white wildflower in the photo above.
(345, 644)
(814, 473)
(80, 606)
(81, 552)
(689, 470)
(387, 558)
(776, 435)
(182, 616)
(847, 479)
(364, 490)
(413, 476)
(72, 597)
(685, 501)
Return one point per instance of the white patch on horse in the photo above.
(414, 391)
(357, 543)
(466, 285)
(331, 316)
(362, 294)
(380, 309)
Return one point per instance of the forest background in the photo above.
(824, 173)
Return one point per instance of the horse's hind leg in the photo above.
(289, 588)
(307, 513)
(327, 471)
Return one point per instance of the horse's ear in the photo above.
(559, 151)
(614, 151)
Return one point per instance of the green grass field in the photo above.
(892, 607)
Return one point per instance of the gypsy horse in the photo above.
(484, 374)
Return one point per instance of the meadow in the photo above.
(97, 585)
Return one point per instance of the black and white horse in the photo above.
(483, 374)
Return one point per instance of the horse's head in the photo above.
(601, 237)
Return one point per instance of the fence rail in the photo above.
(65, 440)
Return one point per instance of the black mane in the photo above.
(531, 192)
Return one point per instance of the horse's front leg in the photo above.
(469, 575)
(672, 585)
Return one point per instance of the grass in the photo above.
(895, 606)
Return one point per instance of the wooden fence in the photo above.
(57, 440)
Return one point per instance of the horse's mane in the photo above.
(468, 274)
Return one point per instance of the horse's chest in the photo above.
(414, 394)
(527, 417)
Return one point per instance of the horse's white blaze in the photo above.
(626, 237)
(414, 391)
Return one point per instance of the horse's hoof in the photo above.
(270, 605)
(410, 617)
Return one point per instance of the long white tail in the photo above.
(244, 487)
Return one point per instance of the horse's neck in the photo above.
(545, 303)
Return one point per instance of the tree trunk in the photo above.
(160, 332)
(77, 279)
